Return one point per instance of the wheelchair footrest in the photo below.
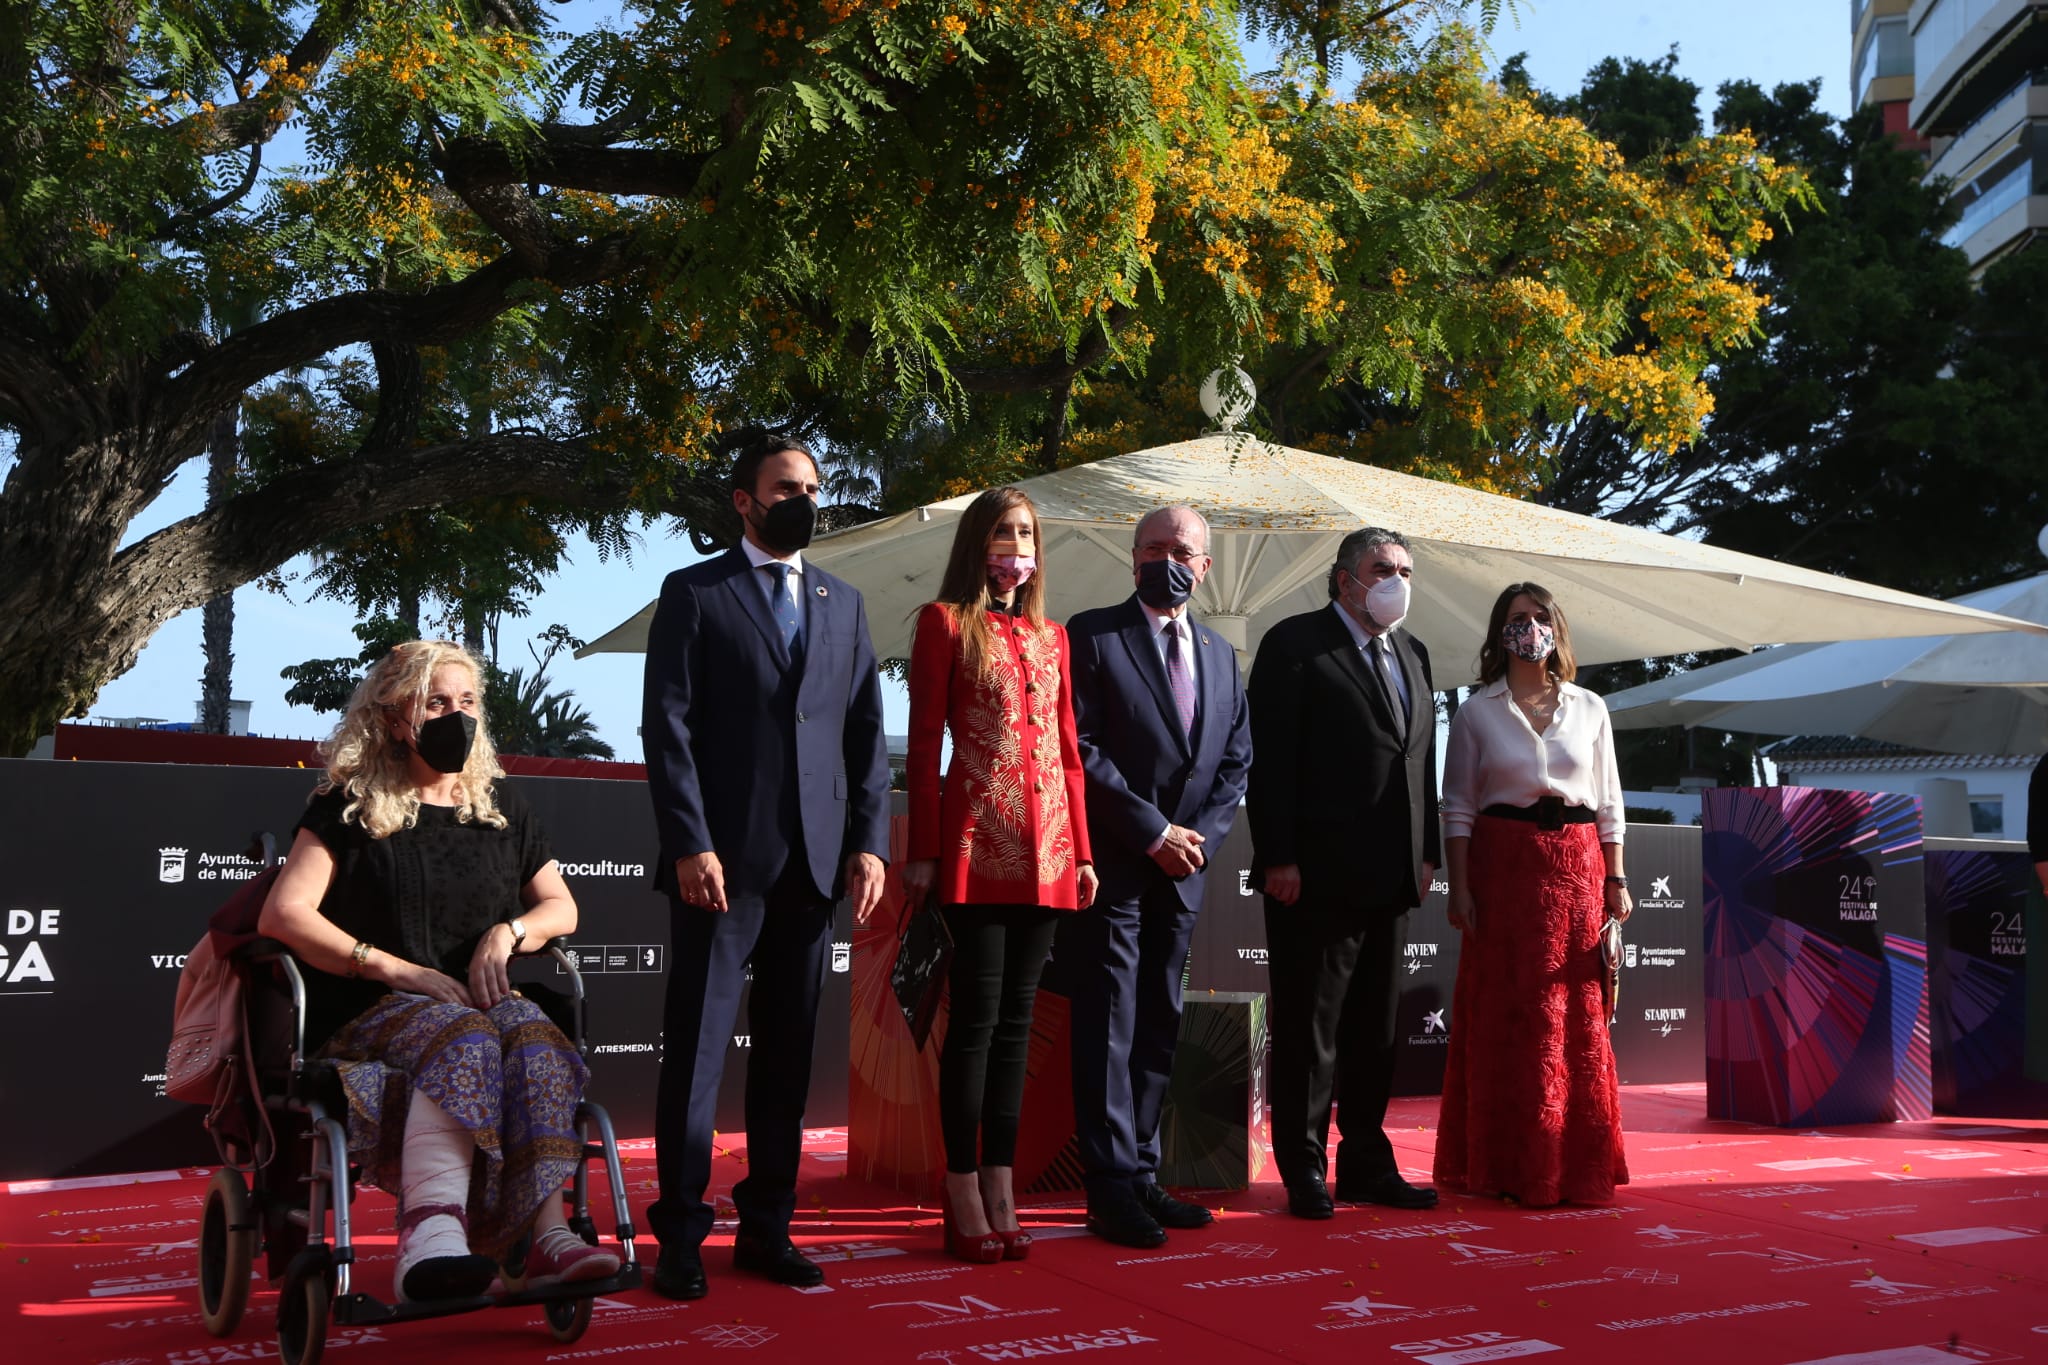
(365, 1310)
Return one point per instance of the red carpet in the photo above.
(1891, 1245)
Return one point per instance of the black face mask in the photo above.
(444, 742)
(1164, 584)
(787, 526)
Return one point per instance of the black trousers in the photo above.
(1332, 993)
(787, 935)
(999, 953)
(1121, 963)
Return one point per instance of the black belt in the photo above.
(1549, 812)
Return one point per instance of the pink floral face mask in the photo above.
(1530, 640)
(1010, 572)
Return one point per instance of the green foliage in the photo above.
(328, 684)
(525, 718)
(523, 277)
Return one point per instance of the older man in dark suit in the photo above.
(766, 760)
(1343, 809)
(1166, 741)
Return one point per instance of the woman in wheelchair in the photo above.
(411, 882)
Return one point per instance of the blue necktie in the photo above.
(782, 604)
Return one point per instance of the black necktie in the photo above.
(1383, 666)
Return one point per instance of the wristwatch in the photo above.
(1618, 881)
(518, 928)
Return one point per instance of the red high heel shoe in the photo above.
(984, 1248)
(1016, 1245)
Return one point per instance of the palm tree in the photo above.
(525, 718)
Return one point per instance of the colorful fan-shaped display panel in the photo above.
(1816, 957)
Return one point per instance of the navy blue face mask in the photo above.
(1164, 584)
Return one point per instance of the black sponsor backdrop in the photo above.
(1658, 1037)
(1980, 895)
(93, 934)
(105, 915)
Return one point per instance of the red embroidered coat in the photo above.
(1009, 827)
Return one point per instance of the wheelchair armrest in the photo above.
(262, 950)
(577, 1001)
(297, 979)
(562, 960)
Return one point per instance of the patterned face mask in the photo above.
(1530, 640)
(1010, 572)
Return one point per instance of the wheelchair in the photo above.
(285, 1183)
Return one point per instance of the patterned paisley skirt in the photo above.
(508, 1075)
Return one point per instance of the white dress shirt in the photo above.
(1496, 758)
(761, 559)
(1158, 620)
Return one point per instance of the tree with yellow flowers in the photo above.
(871, 219)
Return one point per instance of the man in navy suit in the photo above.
(762, 725)
(1166, 740)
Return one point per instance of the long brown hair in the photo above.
(1493, 656)
(964, 589)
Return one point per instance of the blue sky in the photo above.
(1766, 41)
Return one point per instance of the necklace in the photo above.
(1540, 705)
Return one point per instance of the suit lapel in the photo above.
(819, 604)
(1144, 651)
(1212, 718)
(1421, 702)
(745, 584)
(1351, 660)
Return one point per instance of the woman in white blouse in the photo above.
(1532, 815)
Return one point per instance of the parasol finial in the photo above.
(1227, 396)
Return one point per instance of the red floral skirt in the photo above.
(1530, 1107)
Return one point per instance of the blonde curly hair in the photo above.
(364, 760)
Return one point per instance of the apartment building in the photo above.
(1967, 80)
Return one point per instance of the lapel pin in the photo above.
(821, 590)
(1205, 637)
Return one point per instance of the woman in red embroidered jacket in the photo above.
(1005, 844)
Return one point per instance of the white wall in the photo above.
(2009, 783)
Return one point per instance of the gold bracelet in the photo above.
(358, 956)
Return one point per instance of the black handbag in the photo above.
(924, 953)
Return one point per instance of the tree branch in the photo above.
(566, 156)
(439, 315)
(36, 396)
(1049, 374)
(259, 118)
(1055, 433)
(511, 213)
(178, 222)
(401, 396)
(224, 546)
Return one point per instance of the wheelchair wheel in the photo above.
(227, 1248)
(568, 1319)
(303, 1306)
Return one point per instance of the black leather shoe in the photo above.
(1126, 1223)
(1389, 1190)
(1169, 1212)
(447, 1277)
(779, 1260)
(1310, 1199)
(679, 1273)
